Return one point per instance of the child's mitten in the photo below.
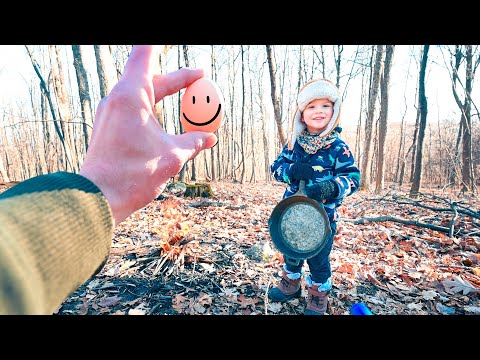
(324, 190)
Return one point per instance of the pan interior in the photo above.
(302, 227)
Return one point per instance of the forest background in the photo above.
(409, 111)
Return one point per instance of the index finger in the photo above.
(140, 65)
(170, 83)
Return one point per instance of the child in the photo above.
(316, 154)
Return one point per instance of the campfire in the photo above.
(174, 244)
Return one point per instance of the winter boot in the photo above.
(288, 288)
(317, 300)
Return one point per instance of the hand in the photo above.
(321, 191)
(130, 157)
(301, 170)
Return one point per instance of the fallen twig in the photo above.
(399, 220)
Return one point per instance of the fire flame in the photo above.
(174, 227)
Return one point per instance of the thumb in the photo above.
(194, 142)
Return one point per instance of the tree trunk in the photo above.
(273, 86)
(85, 103)
(422, 105)
(212, 150)
(192, 161)
(401, 147)
(338, 63)
(3, 170)
(242, 119)
(181, 175)
(467, 171)
(373, 93)
(63, 104)
(105, 69)
(382, 126)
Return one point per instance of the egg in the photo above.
(202, 106)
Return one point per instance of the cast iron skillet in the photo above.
(286, 228)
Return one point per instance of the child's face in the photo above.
(317, 115)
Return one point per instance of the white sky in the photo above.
(16, 72)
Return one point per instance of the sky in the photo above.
(16, 72)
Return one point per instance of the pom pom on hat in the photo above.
(315, 89)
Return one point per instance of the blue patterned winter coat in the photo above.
(334, 161)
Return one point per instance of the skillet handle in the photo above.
(301, 188)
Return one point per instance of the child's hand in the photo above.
(324, 190)
(300, 170)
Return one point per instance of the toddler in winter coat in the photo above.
(317, 155)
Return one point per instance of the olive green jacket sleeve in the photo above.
(56, 232)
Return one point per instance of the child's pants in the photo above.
(319, 265)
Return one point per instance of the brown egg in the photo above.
(202, 106)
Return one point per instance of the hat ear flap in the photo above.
(296, 129)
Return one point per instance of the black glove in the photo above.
(324, 190)
(301, 170)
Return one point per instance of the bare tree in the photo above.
(43, 86)
(276, 108)
(373, 93)
(242, 117)
(422, 108)
(105, 70)
(3, 170)
(465, 129)
(84, 94)
(338, 62)
(382, 128)
(215, 148)
(186, 59)
(63, 103)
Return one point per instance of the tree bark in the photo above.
(63, 104)
(382, 126)
(84, 93)
(422, 105)
(467, 170)
(105, 70)
(373, 93)
(242, 118)
(273, 89)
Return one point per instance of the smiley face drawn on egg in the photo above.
(201, 107)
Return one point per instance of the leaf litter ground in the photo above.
(214, 256)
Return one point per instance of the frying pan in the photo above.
(299, 226)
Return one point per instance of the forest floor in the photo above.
(210, 256)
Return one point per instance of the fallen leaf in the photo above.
(244, 301)
(473, 309)
(429, 294)
(109, 301)
(274, 307)
(415, 306)
(458, 284)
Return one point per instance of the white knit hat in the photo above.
(315, 89)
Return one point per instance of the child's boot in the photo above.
(317, 299)
(288, 288)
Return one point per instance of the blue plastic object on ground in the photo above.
(360, 309)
